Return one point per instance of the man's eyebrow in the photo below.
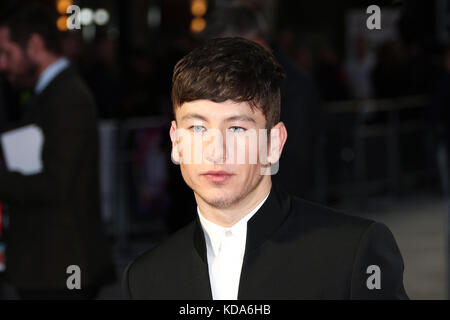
(190, 116)
(241, 118)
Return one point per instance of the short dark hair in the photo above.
(25, 20)
(230, 69)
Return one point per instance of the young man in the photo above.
(251, 239)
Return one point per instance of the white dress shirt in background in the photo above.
(50, 73)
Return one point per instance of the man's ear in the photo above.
(175, 154)
(278, 137)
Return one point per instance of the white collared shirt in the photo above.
(225, 250)
(50, 73)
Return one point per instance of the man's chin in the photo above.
(218, 200)
(220, 203)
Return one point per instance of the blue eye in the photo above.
(198, 129)
(236, 129)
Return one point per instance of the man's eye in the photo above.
(236, 129)
(198, 129)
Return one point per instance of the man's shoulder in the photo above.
(69, 84)
(315, 216)
(71, 80)
(68, 97)
(170, 249)
(167, 263)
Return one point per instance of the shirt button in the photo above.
(228, 233)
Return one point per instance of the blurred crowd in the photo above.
(140, 86)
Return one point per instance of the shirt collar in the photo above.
(50, 73)
(215, 233)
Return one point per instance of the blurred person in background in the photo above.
(330, 75)
(102, 77)
(440, 121)
(439, 114)
(140, 87)
(73, 46)
(301, 107)
(3, 116)
(389, 74)
(359, 70)
(54, 215)
(359, 67)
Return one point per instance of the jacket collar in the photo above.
(50, 73)
(260, 227)
(30, 110)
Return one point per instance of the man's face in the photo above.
(219, 149)
(18, 67)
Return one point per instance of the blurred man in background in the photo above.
(2, 109)
(54, 218)
(439, 114)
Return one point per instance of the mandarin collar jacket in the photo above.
(294, 250)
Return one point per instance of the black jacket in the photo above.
(55, 215)
(302, 115)
(294, 250)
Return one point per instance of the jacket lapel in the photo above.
(203, 285)
(268, 218)
(259, 228)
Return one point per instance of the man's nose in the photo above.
(214, 147)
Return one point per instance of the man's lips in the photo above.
(217, 176)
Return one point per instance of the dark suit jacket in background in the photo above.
(55, 215)
(301, 113)
(3, 117)
(294, 250)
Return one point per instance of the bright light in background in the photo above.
(86, 16)
(101, 17)
(153, 16)
(198, 10)
(61, 23)
(62, 5)
(198, 24)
